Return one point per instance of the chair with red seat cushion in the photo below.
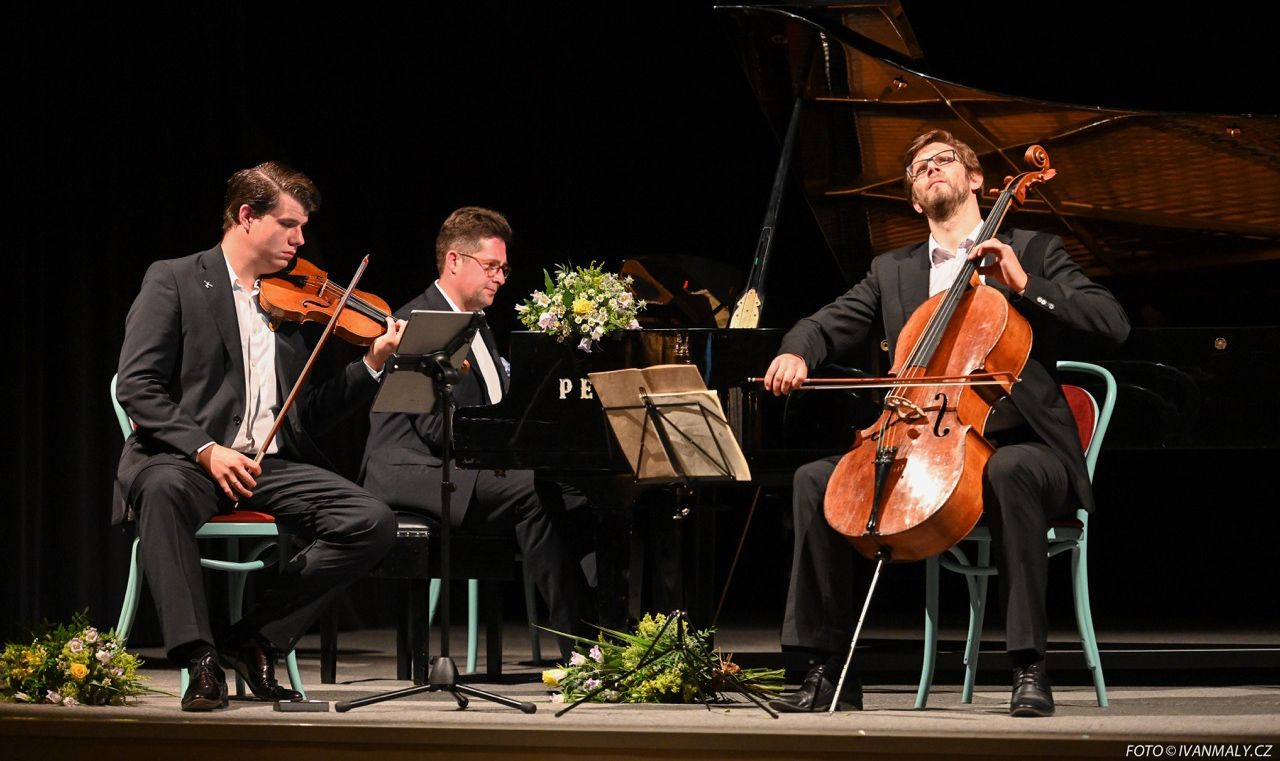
(1071, 534)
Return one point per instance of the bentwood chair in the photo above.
(231, 527)
(1064, 535)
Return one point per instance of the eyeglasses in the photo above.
(490, 266)
(939, 159)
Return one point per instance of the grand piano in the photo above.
(850, 83)
(551, 422)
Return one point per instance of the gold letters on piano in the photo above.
(584, 388)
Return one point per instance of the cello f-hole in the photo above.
(942, 410)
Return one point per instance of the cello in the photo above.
(911, 485)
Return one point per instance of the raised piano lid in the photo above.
(1124, 209)
(1176, 212)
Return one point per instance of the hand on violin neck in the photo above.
(786, 373)
(234, 473)
(385, 345)
(1004, 267)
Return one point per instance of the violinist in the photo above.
(1037, 472)
(202, 376)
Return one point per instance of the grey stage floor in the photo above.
(1162, 711)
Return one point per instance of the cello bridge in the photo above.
(903, 407)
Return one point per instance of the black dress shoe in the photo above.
(206, 686)
(817, 690)
(1031, 693)
(256, 664)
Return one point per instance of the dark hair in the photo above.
(260, 188)
(963, 152)
(466, 227)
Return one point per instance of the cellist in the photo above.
(1037, 473)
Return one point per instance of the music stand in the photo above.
(420, 377)
(683, 450)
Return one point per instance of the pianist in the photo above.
(1037, 473)
(402, 463)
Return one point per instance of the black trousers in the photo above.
(347, 529)
(552, 524)
(1025, 486)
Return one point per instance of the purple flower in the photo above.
(577, 659)
(75, 645)
(91, 635)
(590, 684)
(597, 654)
(53, 697)
(585, 345)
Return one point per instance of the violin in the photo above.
(303, 292)
(911, 486)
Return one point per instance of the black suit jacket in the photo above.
(1058, 295)
(402, 459)
(181, 373)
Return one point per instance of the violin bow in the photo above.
(835, 384)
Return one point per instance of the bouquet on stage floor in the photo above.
(585, 304)
(70, 665)
(692, 674)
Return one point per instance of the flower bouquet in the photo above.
(70, 665)
(583, 304)
(694, 674)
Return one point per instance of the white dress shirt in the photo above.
(944, 265)
(261, 389)
(484, 360)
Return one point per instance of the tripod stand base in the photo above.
(443, 678)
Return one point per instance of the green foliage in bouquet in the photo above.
(71, 664)
(696, 674)
(583, 304)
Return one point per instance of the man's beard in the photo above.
(940, 206)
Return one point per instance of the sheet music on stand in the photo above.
(669, 425)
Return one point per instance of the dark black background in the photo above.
(602, 130)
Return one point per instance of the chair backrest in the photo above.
(1085, 410)
(1091, 419)
(126, 425)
